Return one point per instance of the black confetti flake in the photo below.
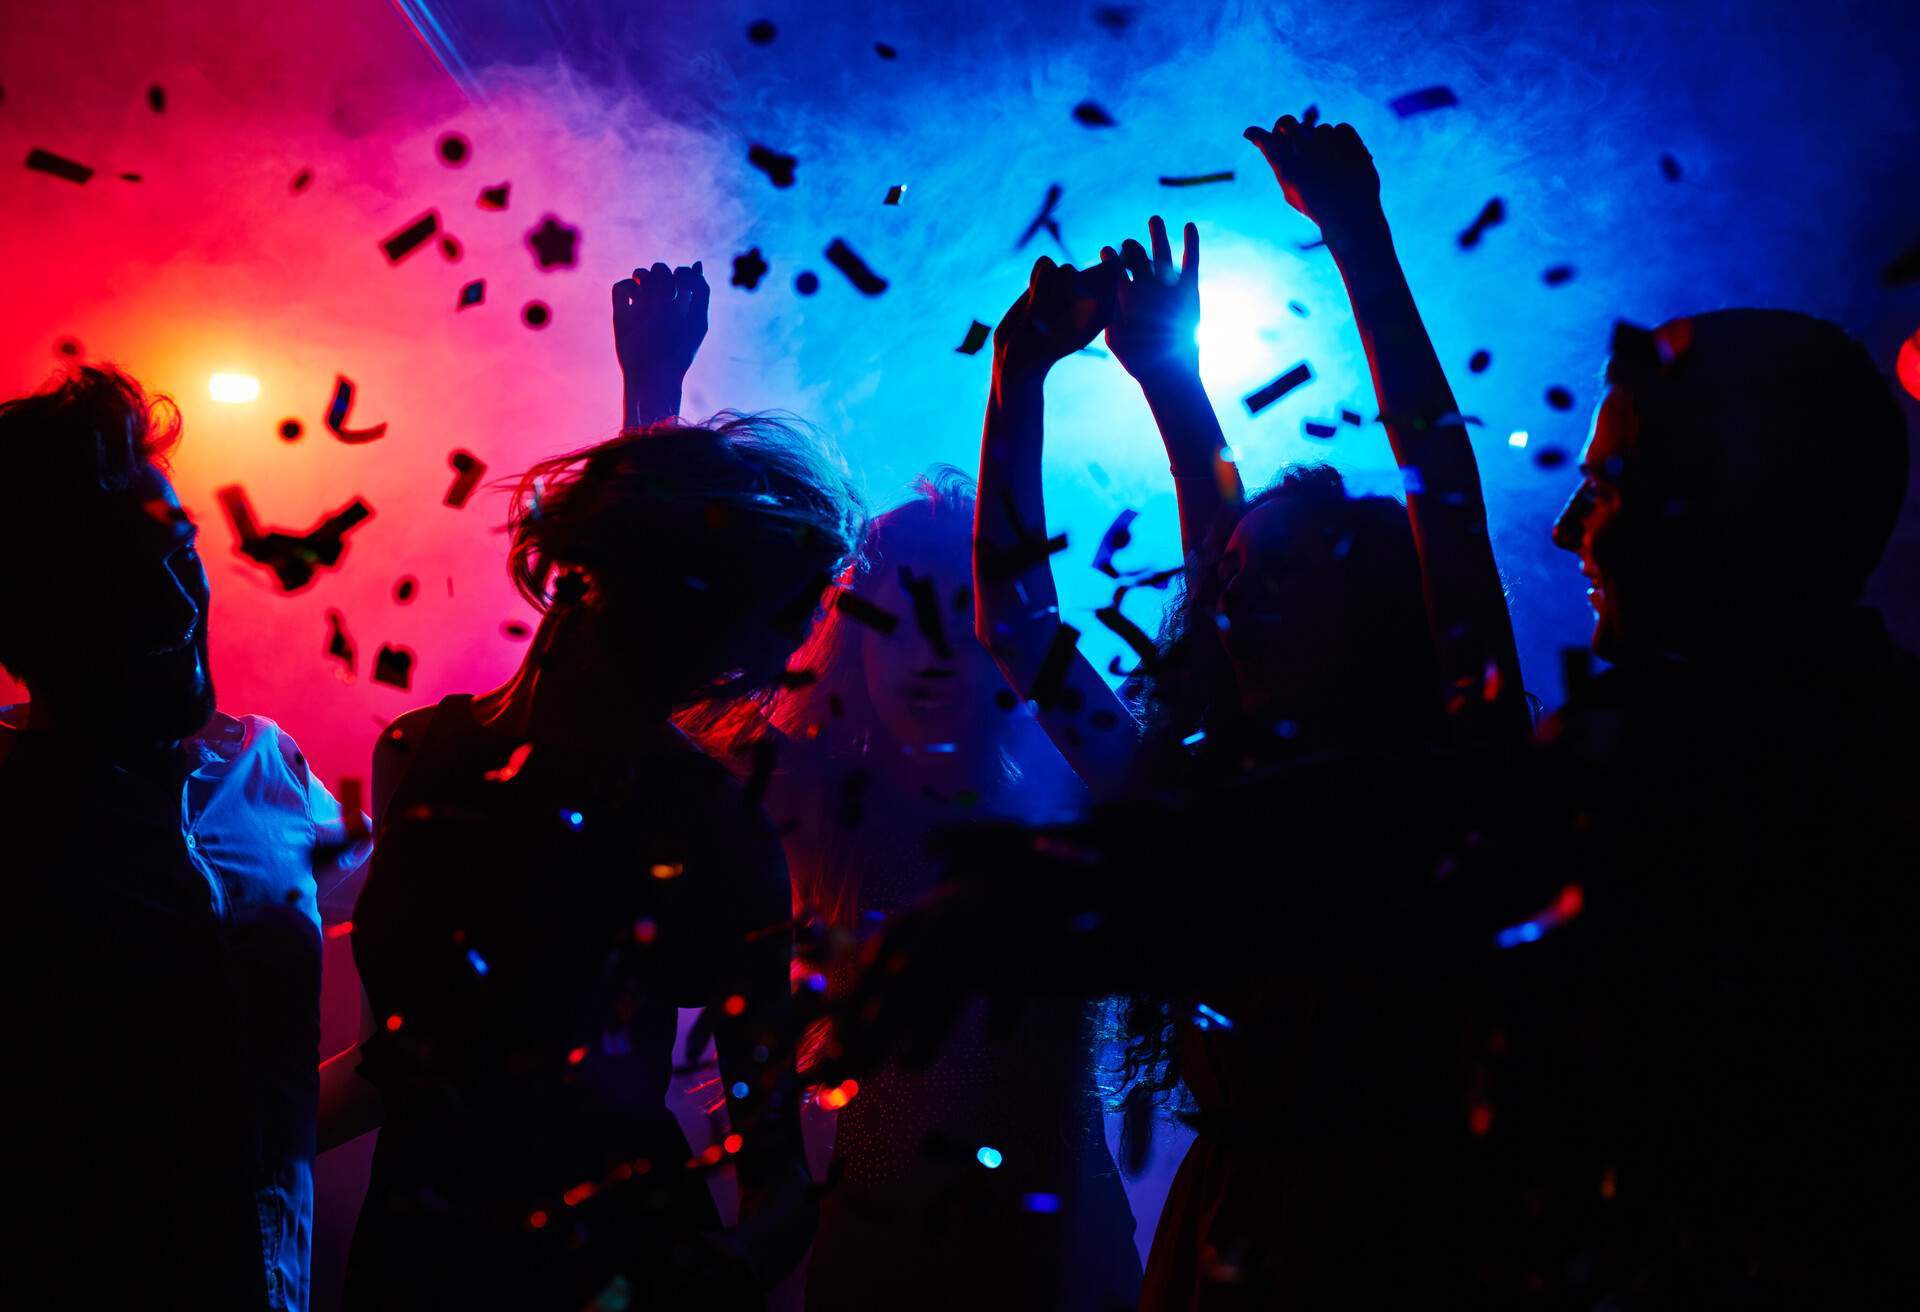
(996, 563)
(69, 347)
(1005, 699)
(301, 181)
(1044, 220)
(1559, 398)
(515, 631)
(862, 611)
(472, 294)
(1904, 269)
(894, 193)
(749, 269)
(1669, 168)
(1320, 430)
(293, 558)
(393, 666)
(1350, 417)
(494, 197)
(45, 161)
(1309, 116)
(977, 334)
(554, 244)
(339, 642)
(157, 99)
(454, 150)
(1118, 535)
(1130, 633)
(1115, 18)
(468, 470)
(1089, 114)
(1491, 215)
(761, 32)
(1479, 361)
(337, 415)
(926, 611)
(1423, 100)
(1558, 275)
(410, 238)
(535, 314)
(1196, 179)
(806, 282)
(131, 177)
(1050, 682)
(885, 51)
(864, 279)
(1279, 387)
(1298, 308)
(404, 589)
(1550, 457)
(291, 430)
(778, 168)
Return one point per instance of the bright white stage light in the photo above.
(234, 389)
(1518, 437)
(1237, 332)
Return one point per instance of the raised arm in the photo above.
(659, 321)
(1016, 605)
(1156, 309)
(1326, 173)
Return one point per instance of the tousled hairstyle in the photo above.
(65, 446)
(708, 542)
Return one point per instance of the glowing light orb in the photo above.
(1236, 337)
(234, 389)
(1517, 438)
(1907, 365)
(989, 1158)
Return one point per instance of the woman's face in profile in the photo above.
(926, 699)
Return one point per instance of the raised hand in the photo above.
(1324, 172)
(1156, 305)
(1062, 309)
(659, 321)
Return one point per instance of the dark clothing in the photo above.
(168, 975)
(526, 941)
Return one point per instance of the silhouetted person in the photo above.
(161, 865)
(559, 869)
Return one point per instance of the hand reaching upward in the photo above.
(1156, 305)
(1324, 172)
(659, 321)
(1062, 309)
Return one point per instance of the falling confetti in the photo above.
(555, 245)
(1197, 179)
(340, 643)
(778, 168)
(290, 430)
(337, 416)
(1491, 215)
(1479, 361)
(1089, 114)
(749, 269)
(454, 150)
(761, 32)
(493, 198)
(977, 334)
(393, 666)
(410, 238)
(468, 470)
(864, 279)
(472, 294)
(1279, 387)
(1557, 276)
(293, 558)
(535, 314)
(45, 161)
(1423, 101)
(807, 283)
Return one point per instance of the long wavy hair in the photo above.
(1385, 688)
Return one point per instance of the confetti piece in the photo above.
(554, 244)
(474, 959)
(1040, 1203)
(1550, 457)
(1491, 215)
(535, 314)
(1559, 398)
(1565, 908)
(393, 665)
(468, 470)
(761, 32)
(998, 564)
(778, 168)
(1206, 1017)
(807, 283)
(977, 334)
(69, 347)
(1350, 417)
(1050, 682)
(1298, 308)
(1131, 634)
(1309, 116)
(454, 150)
(1518, 438)
(404, 589)
(45, 161)
(1118, 535)
(1114, 18)
(515, 631)
(1420, 102)
(1904, 269)
(410, 238)
(926, 611)
(292, 558)
(1089, 114)
(301, 181)
(1044, 220)
(339, 642)
(864, 279)
(894, 193)
(1669, 168)
(494, 197)
(989, 1158)
(1479, 361)
(885, 51)
(337, 416)
(474, 293)
(1557, 276)
(157, 99)
(450, 248)
(1279, 387)
(862, 611)
(749, 269)
(131, 177)
(1314, 428)
(1197, 179)
(290, 430)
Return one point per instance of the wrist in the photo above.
(1171, 379)
(1362, 230)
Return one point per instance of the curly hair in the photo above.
(715, 539)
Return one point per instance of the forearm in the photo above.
(647, 401)
(349, 1105)
(1013, 588)
(1204, 480)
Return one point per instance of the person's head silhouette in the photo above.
(103, 592)
(1745, 471)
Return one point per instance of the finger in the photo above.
(683, 284)
(1134, 256)
(1162, 248)
(1348, 135)
(702, 294)
(1189, 254)
(660, 282)
(1041, 268)
(1108, 255)
(1285, 125)
(1260, 137)
(624, 292)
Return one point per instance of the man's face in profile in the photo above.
(124, 638)
(1592, 526)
